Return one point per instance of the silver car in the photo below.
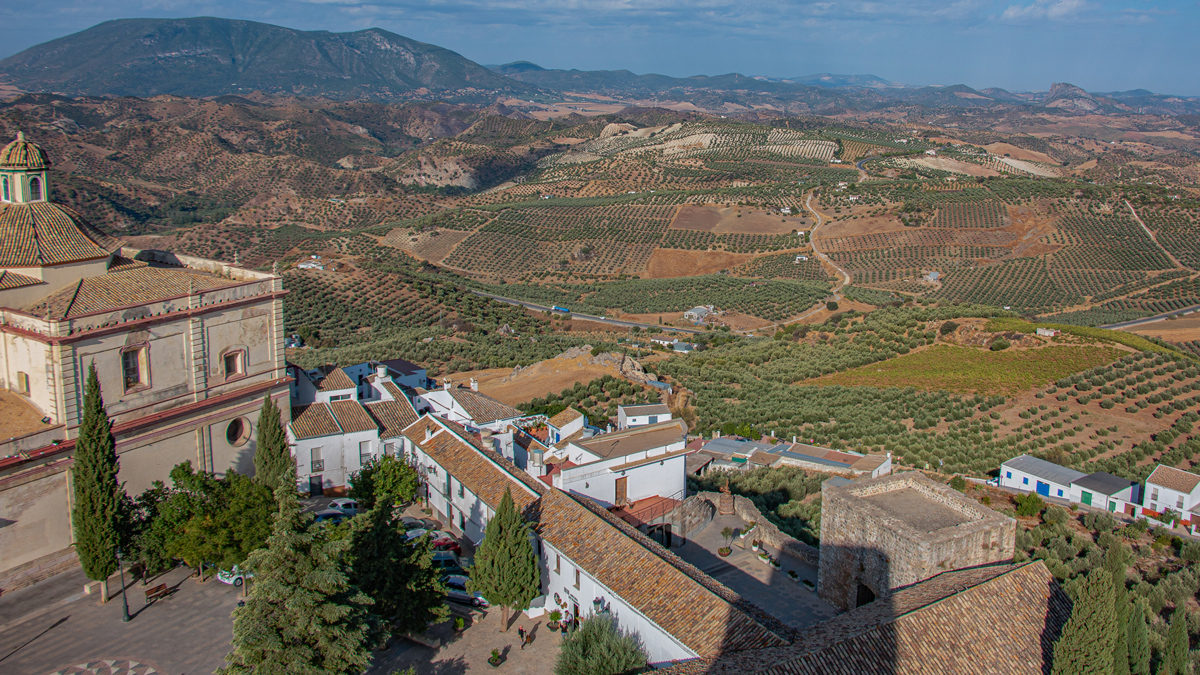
(456, 590)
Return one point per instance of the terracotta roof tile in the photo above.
(23, 154)
(393, 416)
(997, 620)
(564, 418)
(312, 421)
(352, 417)
(126, 286)
(482, 408)
(10, 280)
(636, 439)
(1174, 479)
(335, 380)
(44, 233)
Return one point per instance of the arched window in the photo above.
(4, 189)
(35, 189)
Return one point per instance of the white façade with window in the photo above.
(566, 582)
(1030, 474)
(1168, 488)
(629, 416)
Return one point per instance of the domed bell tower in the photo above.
(23, 168)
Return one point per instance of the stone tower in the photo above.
(881, 534)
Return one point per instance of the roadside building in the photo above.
(1169, 488)
(699, 314)
(1030, 474)
(1105, 491)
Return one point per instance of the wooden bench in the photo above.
(156, 592)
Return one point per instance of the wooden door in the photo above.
(622, 494)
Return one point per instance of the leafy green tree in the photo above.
(96, 513)
(506, 569)
(143, 541)
(387, 477)
(302, 614)
(1086, 644)
(599, 647)
(400, 578)
(1175, 652)
(1139, 640)
(1029, 504)
(271, 454)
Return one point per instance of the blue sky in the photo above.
(1101, 45)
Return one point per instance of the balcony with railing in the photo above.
(318, 465)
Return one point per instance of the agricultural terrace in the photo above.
(1176, 229)
(773, 300)
(784, 266)
(1170, 297)
(966, 370)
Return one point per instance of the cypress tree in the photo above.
(302, 615)
(506, 569)
(271, 454)
(1086, 644)
(96, 513)
(1175, 656)
(1139, 640)
(399, 577)
(1116, 560)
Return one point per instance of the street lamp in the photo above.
(124, 599)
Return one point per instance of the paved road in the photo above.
(588, 317)
(1152, 319)
(813, 240)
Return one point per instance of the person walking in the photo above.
(521, 634)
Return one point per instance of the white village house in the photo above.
(623, 468)
(1169, 488)
(1030, 474)
(641, 415)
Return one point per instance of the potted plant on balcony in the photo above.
(555, 617)
(756, 545)
(793, 576)
(747, 530)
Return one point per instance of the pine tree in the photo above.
(1139, 640)
(400, 578)
(271, 454)
(599, 647)
(506, 569)
(302, 615)
(1086, 644)
(1175, 656)
(1116, 561)
(96, 514)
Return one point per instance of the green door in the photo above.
(1087, 498)
(1112, 506)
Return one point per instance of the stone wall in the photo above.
(35, 570)
(698, 511)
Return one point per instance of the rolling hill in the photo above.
(206, 56)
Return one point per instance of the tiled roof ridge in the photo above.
(726, 594)
(70, 303)
(494, 457)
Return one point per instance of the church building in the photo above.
(185, 349)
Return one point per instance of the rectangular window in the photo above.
(235, 363)
(1179, 503)
(134, 367)
(364, 452)
(23, 382)
(576, 578)
(1025, 481)
(1009, 474)
(1154, 493)
(461, 491)
(653, 419)
(557, 563)
(343, 397)
(318, 464)
(1060, 493)
(389, 449)
(462, 522)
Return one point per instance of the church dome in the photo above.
(45, 233)
(23, 154)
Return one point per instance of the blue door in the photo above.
(1043, 489)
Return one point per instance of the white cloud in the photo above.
(1046, 9)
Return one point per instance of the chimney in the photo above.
(446, 383)
(381, 370)
(474, 384)
(716, 434)
(428, 433)
(793, 440)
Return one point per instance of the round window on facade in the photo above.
(238, 431)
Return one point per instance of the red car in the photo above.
(446, 544)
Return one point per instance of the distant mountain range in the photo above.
(209, 57)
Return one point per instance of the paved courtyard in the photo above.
(772, 590)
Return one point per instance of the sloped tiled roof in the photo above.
(336, 379)
(637, 439)
(23, 154)
(397, 391)
(393, 416)
(352, 417)
(10, 280)
(45, 233)
(564, 418)
(481, 407)
(999, 620)
(126, 286)
(648, 409)
(312, 421)
(1173, 479)
(697, 610)
(1049, 471)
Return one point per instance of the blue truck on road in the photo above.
(564, 310)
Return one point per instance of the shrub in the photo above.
(599, 647)
(948, 328)
(831, 306)
(999, 344)
(958, 483)
(1029, 504)
(1056, 515)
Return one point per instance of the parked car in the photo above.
(411, 523)
(235, 576)
(446, 544)
(448, 562)
(414, 535)
(329, 516)
(346, 506)
(456, 590)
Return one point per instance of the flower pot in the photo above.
(724, 551)
(495, 663)
(553, 625)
